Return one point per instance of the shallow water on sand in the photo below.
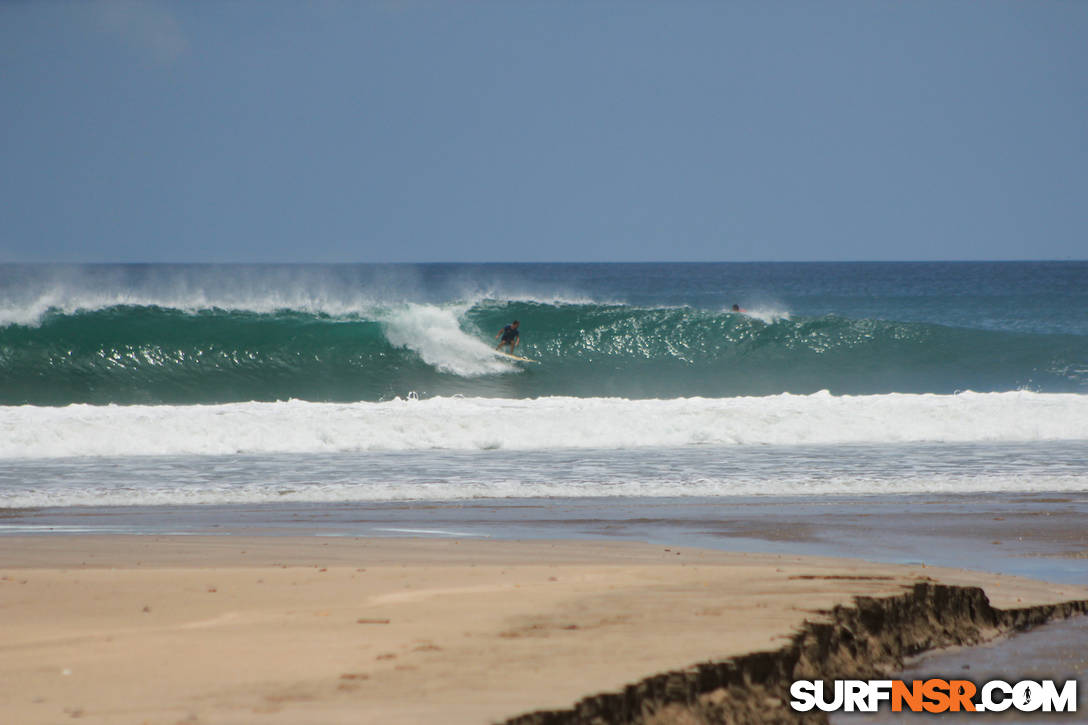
(816, 471)
(1041, 536)
(1057, 651)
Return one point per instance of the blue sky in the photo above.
(543, 131)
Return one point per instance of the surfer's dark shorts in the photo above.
(510, 337)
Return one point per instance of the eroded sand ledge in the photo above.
(865, 640)
(316, 630)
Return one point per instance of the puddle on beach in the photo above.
(1057, 651)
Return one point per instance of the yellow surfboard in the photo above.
(514, 357)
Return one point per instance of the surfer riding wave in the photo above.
(510, 336)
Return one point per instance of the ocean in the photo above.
(154, 387)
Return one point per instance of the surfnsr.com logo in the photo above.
(934, 696)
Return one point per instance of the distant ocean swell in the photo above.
(139, 354)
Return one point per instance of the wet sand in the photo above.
(286, 629)
(1040, 536)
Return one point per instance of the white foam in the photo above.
(538, 424)
(432, 532)
(196, 493)
(435, 334)
(769, 314)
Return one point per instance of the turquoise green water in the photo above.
(152, 354)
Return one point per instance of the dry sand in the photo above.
(330, 630)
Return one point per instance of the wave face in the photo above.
(177, 335)
(147, 354)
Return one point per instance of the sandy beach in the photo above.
(229, 629)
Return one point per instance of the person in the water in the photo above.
(738, 308)
(510, 336)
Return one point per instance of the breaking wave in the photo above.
(551, 423)
(154, 354)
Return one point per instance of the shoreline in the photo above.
(286, 629)
(1036, 535)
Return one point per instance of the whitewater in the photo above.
(486, 424)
